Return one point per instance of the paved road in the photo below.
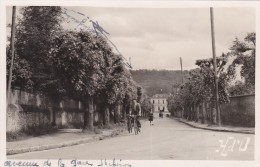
(167, 139)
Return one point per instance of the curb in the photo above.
(109, 134)
(218, 130)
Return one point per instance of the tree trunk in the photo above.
(194, 112)
(197, 112)
(124, 111)
(90, 120)
(106, 115)
(85, 115)
(53, 110)
(211, 115)
(204, 116)
(182, 112)
(112, 114)
(117, 113)
(190, 108)
(52, 116)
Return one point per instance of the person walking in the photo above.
(151, 117)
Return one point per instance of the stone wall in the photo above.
(239, 112)
(29, 109)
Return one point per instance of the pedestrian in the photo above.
(151, 117)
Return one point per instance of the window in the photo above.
(159, 108)
(153, 101)
(163, 101)
(158, 101)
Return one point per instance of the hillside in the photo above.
(158, 81)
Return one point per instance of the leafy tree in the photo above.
(200, 88)
(244, 53)
(35, 32)
(89, 70)
(239, 88)
(116, 90)
(146, 106)
(139, 94)
(207, 71)
(79, 63)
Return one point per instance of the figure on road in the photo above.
(136, 110)
(151, 117)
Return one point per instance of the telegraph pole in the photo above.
(12, 56)
(215, 65)
(181, 70)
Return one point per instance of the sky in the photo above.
(156, 38)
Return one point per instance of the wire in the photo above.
(97, 29)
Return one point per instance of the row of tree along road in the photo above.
(60, 63)
(197, 93)
(81, 65)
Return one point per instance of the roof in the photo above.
(160, 96)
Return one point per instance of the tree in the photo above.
(146, 106)
(89, 70)
(244, 53)
(119, 89)
(59, 63)
(78, 61)
(139, 94)
(207, 71)
(239, 88)
(223, 77)
(35, 32)
(200, 88)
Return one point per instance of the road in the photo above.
(167, 139)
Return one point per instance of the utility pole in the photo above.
(215, 65)
(12, 56)
(181, 70)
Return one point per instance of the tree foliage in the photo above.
(34, 35)
(244, 56)
(78, 61)
(146, 106)
(239, 88)
(200, 86)
(208, 77)
(61, 63)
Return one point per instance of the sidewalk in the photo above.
(216, 128)
(63, 138)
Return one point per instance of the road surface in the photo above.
(167, 139)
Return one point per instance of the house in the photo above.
(159, 102)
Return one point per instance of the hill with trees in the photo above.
(158, 81)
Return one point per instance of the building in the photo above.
(159, 102)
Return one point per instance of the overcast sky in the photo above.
(156, 38)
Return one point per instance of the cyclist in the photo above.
(136, 110)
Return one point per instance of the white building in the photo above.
(159, 102)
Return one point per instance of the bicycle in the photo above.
(136, 127)
(129, 124)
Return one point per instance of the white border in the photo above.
(136, 4)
